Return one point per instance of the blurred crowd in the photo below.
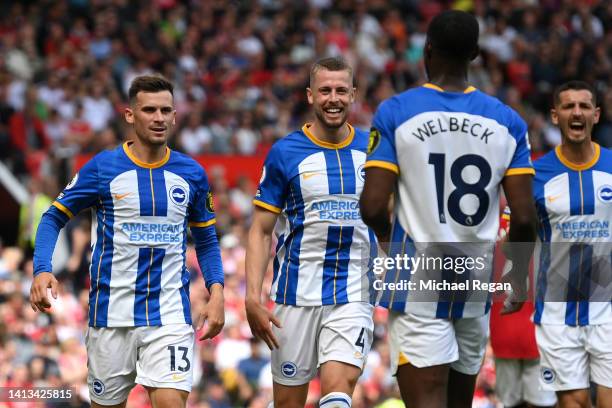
(240, 70)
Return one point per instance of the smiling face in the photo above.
(575, 114)
(331, 94)
(152, 114)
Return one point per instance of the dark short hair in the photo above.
(330, 64)
(454, 34)
(149, 83)
(576, 86)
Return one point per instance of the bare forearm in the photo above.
(257, 258)
(519, 247)
(521, 237)
(375, 201)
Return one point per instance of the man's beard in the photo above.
(321, 116)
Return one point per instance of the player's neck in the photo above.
(578, 153)
(147, 153)
(330, 135)
(455, 81)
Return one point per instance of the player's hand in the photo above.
(516, 298)
(259, 318)
(38, 292)
(213, 313)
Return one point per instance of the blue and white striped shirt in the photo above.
(323, 246)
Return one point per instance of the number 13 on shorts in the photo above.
(184, 364)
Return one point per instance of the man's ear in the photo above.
(309, 96)
(129, 115)
(554, 117)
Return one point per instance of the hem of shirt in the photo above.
(318, 304)
(432, 315)
(130, 324)
(594, 323)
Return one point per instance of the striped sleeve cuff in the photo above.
(383, 165)
(203, 224)
(63, 209)
(267, 206)
(520, 170)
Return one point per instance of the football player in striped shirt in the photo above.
(142, 196)
(309, 197)
(573, 308)
(445, 149)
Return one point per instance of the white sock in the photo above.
(271, 404)
(335, 400)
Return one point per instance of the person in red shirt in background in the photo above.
(29, 139)
(517, 361)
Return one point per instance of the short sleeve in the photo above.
(381, 145)
(521, 160)
(81, 192)
(271, 193)
(202, 212)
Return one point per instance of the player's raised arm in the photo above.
(257, 258)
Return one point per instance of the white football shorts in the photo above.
(313, 335)
(428, 341)
(572, 356)
(154, 356)
(517, 381)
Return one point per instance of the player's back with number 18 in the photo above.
(445, 148)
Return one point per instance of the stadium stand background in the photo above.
(240, 69)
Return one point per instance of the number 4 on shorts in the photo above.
(360, 340)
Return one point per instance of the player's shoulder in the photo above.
(391, 105)
(290, 141)
(495, 109)
(186, 165)
(548, 166)
(547, 160)
(397, 108)
(184, 159)
(105, 159)
(604, 163)
(290, 147)
(360, 140)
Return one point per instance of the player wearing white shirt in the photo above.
(445, 148)
(309, 197)
(573, 309)
(143, 196)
